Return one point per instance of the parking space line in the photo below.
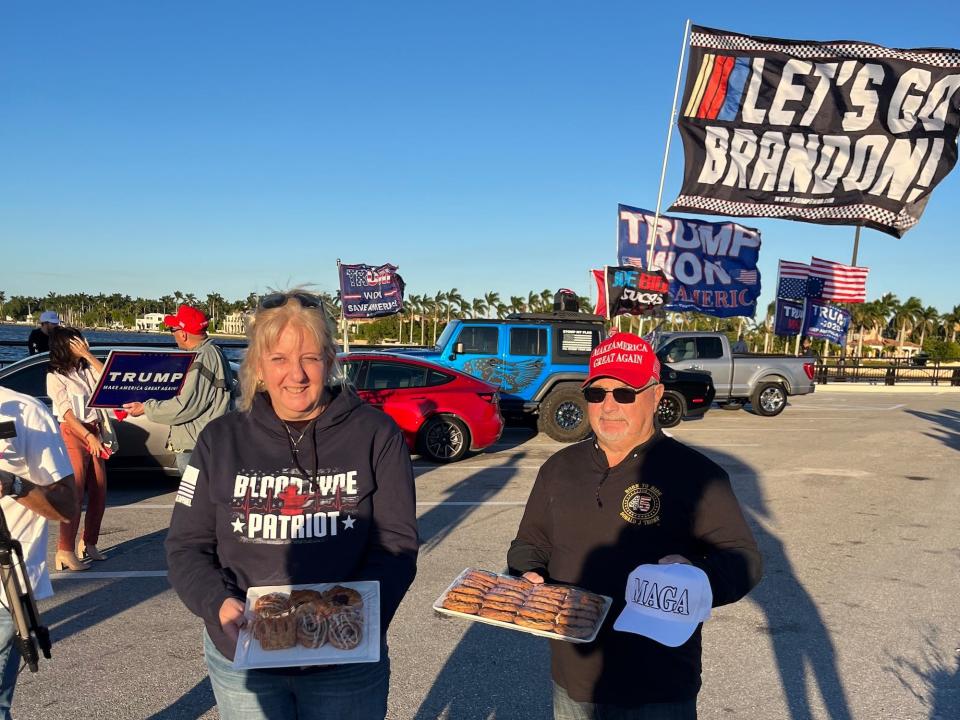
(106, 575)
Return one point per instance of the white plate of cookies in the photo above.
(315, 624)
(558, 612)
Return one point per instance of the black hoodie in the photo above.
(246, 515)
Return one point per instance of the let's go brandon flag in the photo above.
(839, 132)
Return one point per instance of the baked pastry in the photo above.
(300, 597)
(275, 631)
(501, 615)
(534, 624)
(465, 606)
(343, 597)
(312, 626)
(345, 629)
(272, 603)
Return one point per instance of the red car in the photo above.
(443, 413)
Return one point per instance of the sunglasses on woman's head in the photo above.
(623, 395)
(275, 300)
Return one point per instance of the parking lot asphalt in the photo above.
(853, 498)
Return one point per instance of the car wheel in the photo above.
(769, 399)
(563, 415)
(444, 439)
(671, 409)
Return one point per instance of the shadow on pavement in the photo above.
(946, 426)
(794, 627)
(437, 523)
(801, 642)
(192, 704)
(492, 673)
(934, 681)
(112, 598)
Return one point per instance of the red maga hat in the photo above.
(188, 319)
(625, 357)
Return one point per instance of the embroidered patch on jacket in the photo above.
(188, 486)
(641, 504)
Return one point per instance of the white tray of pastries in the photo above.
(314, 624)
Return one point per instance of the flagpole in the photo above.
(856, 246)
(343, 317)
(652, 234)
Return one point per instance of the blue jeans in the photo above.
(183, 459)
(565, 708)
(336, 692)
(9, 663)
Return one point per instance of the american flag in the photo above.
(635, 262)
(792, 280)
(841, 283)
(747, 277)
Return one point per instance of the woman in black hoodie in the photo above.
(305, 484)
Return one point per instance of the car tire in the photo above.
(444, 438)
(733, 405)
(769, 399)
(563, 415)
(671, 409)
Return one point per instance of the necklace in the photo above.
(295, 443)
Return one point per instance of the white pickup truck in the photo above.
(765, 381)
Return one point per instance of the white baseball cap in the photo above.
(49, 316)
(666, 603)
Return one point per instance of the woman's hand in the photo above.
(232, 618)
(94, 445)
(80, 348)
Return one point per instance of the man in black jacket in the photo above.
(630, 496)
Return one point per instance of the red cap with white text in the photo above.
(625, 357)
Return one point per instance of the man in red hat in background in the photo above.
(629, 496)
(206, 392)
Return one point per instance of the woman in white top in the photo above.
(74, 373)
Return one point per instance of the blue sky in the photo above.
(229, 146)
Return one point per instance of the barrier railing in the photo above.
(887, 371)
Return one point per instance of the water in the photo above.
(20, 333)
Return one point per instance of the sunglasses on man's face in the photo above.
(623, 395)
(275, 300)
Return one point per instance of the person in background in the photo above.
(629, 496)
(73, 376)
(39, 340)
(206, 392)
(740, 346)
(806, 348)
(297, 426)
(36, 484)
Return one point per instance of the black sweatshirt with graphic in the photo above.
(590, 525)
(247, 515)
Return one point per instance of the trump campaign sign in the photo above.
(711, 267)
(130, 376)
(826, 321)
(368, 291)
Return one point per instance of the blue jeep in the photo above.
(540, 360)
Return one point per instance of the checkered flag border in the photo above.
(831, 50)
(901, 221)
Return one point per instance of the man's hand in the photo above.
(134, 409)
(533, 577)
(667, 559)
(232, 618)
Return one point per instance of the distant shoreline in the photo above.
(127, 331)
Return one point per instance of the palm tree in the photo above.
(479, 307)
(452, 297)
(3, 299)
(439, 306)
(427, 306)
(533, 299)
(951, 320)
(493, 300)
(927, 320)
(465, 307)
(516, 304)
(906, 317)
